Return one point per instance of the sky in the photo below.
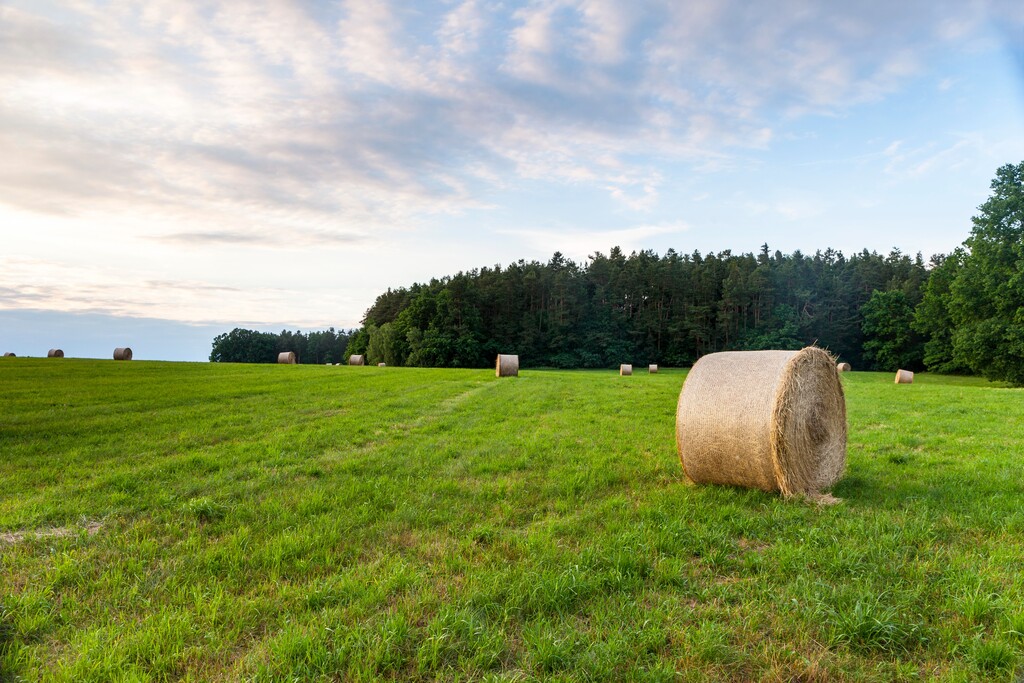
(170, 170)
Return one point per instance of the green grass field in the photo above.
(175, 521)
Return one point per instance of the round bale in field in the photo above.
(507, 365)
(771, 420)
(287, 357)
(10, 354)
(382, 365)
(652, 368)
(625, 369)
(55, 353)
(843, 367)
(904, 377)
(122, 353)
(357, 359)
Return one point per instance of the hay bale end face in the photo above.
(904, 377)
(287, 357)
(357, 359)
(55, 353)
(771, 420)
(652, 368)
(122, 353)
(507, 365)
(10, 354)
(625, 369)
(844, 367)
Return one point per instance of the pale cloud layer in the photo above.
(282, 160)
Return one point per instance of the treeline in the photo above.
(249, 346)
(644, 308)
(962, 312)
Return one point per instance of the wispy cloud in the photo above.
(579, 244)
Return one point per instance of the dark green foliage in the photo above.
(987, 294)
(250, 346)
(643, 308)
(932, 317)
(890, 342)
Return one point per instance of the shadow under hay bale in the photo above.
(507, 365)
(904, 377)
(771, 420)
(652, 368)
(287, 357)
(844, 367)
(357, 360)
(625, 370)
(55, 353)
(122, 353)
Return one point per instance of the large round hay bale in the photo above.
(844, 367)
(55, 353)
(122, 353)
(652, 368)
(357, 359)
(904, 377)
(625, 369)
(772, 420)
(287, 357)
(507, 365)
(10, 354)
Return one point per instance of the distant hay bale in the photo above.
(772, 420)
(382, 365)
(843, 367)
(122, 353)
(357, 359)
(10, 354)
(652, 368)
(904, 377)
(55, 353)
(625, 369)
(507, 365)
(287, 357)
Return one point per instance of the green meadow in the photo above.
(221, 522)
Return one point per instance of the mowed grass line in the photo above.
(305, 523)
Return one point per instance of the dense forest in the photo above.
(249, 346)
(961, 312)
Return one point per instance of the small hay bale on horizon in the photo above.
(122, 353)
(625, 370)
(10, 354)
(55, 353)
(357, 359)
(770, 420)
(904, 377)
(652, 368)
(507, 365)
(287, 358)
(844, 367)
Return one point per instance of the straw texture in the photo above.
(772, 420)
(843, 367)
(507, 365)
(904, 377)
(625, 369)
(653, 369)
(122, 353)
(357, 359)
(55, 353)
(287, 357)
